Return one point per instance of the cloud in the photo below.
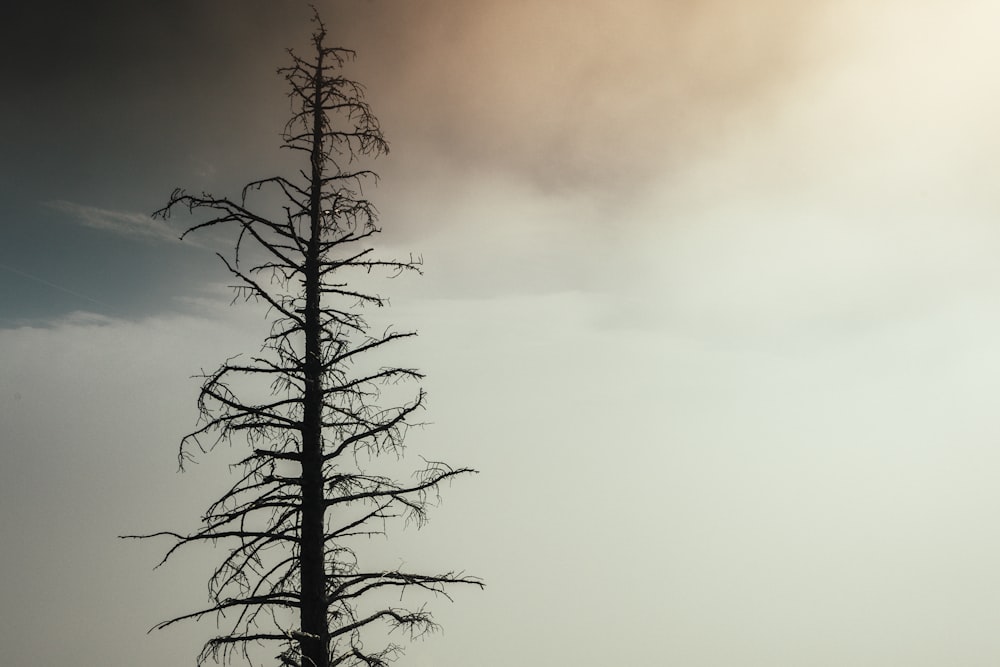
(860, 199)
(756, 483)
(573, 94)
(90, 437)
(123, 223)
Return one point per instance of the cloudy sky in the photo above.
(711, 300)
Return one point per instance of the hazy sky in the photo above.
(711, 300)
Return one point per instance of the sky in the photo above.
(710, 301)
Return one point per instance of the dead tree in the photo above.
(311, 484)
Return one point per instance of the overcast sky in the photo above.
(711, 300)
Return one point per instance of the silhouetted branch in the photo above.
(304, 406)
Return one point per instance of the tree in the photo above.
(313, 481)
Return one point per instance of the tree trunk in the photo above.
(314, 643)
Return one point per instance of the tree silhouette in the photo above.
(314, 480)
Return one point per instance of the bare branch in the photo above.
(311, 479)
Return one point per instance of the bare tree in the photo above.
(313, 481)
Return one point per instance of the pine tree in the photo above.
(311, 484)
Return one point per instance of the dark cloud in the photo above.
(112, 104)
(107, 96)
(571, 92)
